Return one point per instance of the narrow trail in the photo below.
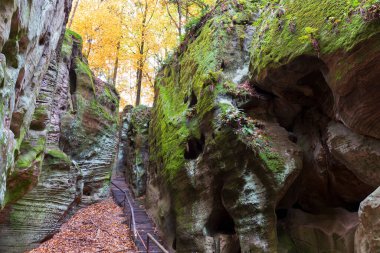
(144, 224)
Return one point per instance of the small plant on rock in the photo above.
(310, 35)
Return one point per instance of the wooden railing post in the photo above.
(147, 244)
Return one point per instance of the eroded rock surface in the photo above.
(65, 155)
(264, 131)
(29, 34)
(133, 159)
(368, 233)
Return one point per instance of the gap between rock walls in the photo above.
(263, 136)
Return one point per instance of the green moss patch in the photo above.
(26, 160)
(140, 117)
(99, 110)
(172, 126)
(16, 191)
(76, 36)
(59, 155)
(290, 28)
(82, 69)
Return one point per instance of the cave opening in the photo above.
(194, 147)
(326, 193)
(220, 222)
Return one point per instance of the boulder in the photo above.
(368, 232)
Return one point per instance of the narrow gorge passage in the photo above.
(258, 129)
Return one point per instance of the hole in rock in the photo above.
(87, 190)
(73, 81)
(194, 148)
(353, 207)
(43, 39)
(23, 44)
(281, 213)
(326, 188)
(15, 23)
(16, 123)
(38, 125)
(20, 78)
(223, 65)
(220, 222)
(292, 137)
(193, 99)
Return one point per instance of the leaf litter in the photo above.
(98, 228)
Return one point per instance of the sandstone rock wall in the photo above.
(29, 34)
(133, 159)
(264, 132)
(65, 157)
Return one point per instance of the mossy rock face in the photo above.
(289, 29)
(133, 159)
(207, 155)
(57, 159)
(302, 48)
(244, 105)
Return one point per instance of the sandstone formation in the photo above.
(133, 159)
(58, 130)
(264, 135)
(28, 39)
(265, 130)
(367, 234)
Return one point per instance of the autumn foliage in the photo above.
(127, 40)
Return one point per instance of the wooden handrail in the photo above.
(150, 237)
(130, 208)
(136, 234)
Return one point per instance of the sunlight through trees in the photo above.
(125, 41)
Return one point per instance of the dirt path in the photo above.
(97, 228)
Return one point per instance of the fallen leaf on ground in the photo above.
(97, 228)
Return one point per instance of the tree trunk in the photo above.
(72, 15)
(116, 67)
(89, 48)
(187, 12)
(179, 18)
(141, 60)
